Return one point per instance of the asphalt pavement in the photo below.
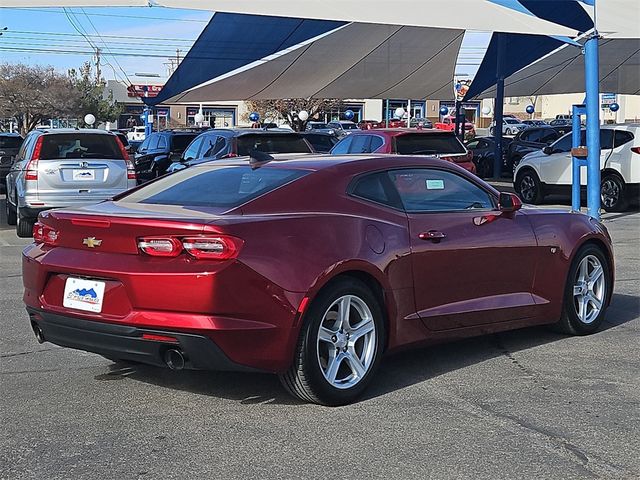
(519, 405)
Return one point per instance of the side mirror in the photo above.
(548, 150)
(509, 202)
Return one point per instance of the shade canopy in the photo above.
(294, 58)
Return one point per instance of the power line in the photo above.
(51, 10)
(30, 32)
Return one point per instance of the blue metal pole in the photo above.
(592, 83)
(148, 126)
(498, 108)
(575, 161)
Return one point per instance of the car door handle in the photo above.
(432, 235)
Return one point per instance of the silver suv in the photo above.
(62, 168)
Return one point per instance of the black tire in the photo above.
(613, 194)
(305, 378)
(484, 168)
(570, 322)
(529, 188)
(10, 212)
(24, 226)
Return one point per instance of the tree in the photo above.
(288, 109)
(33, 94)
(90, 96)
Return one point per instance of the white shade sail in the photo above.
(483, 15)
(563, 71)
(354, 61)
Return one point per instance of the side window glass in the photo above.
(376, 143)
(548, 137)
(23, 149)
(377, 188)
(342, 146)
(162, 142)
(473, 145)
(562, 145)
(192, 150)
(360, 144)
(153, 142)
(212, 146)
(621, 137)
(525, 136)
(606, 139)
(430, 190)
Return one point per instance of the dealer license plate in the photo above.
(83, 294)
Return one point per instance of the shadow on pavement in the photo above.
(396, 371)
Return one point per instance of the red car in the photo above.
(448, 124)
(444, 145)
(310, 268)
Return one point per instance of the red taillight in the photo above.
(44, 234)
(159, 338)
(230, 155)
(131, 170)
(160, 246)
(31, 172)
(635, 150)
(209, 248)
(219, 248)
(123, 150)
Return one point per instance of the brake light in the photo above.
(131, 170)
(32, 166)
(160, 246)
(123, 150)
(635, 150)
(205, 247)
(44, 234)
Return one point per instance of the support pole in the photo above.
(147, 124)
(386, 115)
(592, 84)
(576, 162)
(457, 118)
(499, 108)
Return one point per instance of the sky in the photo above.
(131, 39)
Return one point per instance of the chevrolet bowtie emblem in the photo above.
(91, 242)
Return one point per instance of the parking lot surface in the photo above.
(523, 404)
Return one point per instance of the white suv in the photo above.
(549, 170)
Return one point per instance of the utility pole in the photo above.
(98, 71)
(177, 57)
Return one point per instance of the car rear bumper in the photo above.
(127, 343)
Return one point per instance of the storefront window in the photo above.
(214, 117)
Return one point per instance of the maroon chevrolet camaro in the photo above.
(309, 267)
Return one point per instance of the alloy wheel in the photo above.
(346, 342)
(527, 188)
(589, 289)
(610, 193)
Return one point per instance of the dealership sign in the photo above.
(143, 90)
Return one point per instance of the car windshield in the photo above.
(76, 145)
(317, 125)
(272, 143)
(349, 126)
(511, 120)
(222, 187)
(10, 142)
(180, 142)
(428, 144)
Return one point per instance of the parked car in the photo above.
(448, 124)
(550, 169)
(322, 141)
(444, 145)
(370, 124)
(316, 126)
(535, 123)
(342, 127)
(154, 155)
(136, 133)
(560, 122)
(530, 140)
(309, 268)
(10, 143)
(510, 126)
(65, 167)
(483, 149)
(216, 144)
(420, 123)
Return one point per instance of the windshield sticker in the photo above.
(435, 184)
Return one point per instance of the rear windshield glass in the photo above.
(10, 142)
(74, 145)
(428, 144)
(180, 142)
(349, 126)
(272, 144)
(223, 187)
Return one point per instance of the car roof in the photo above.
(80, 131)
(238, 132)
(394, 132)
